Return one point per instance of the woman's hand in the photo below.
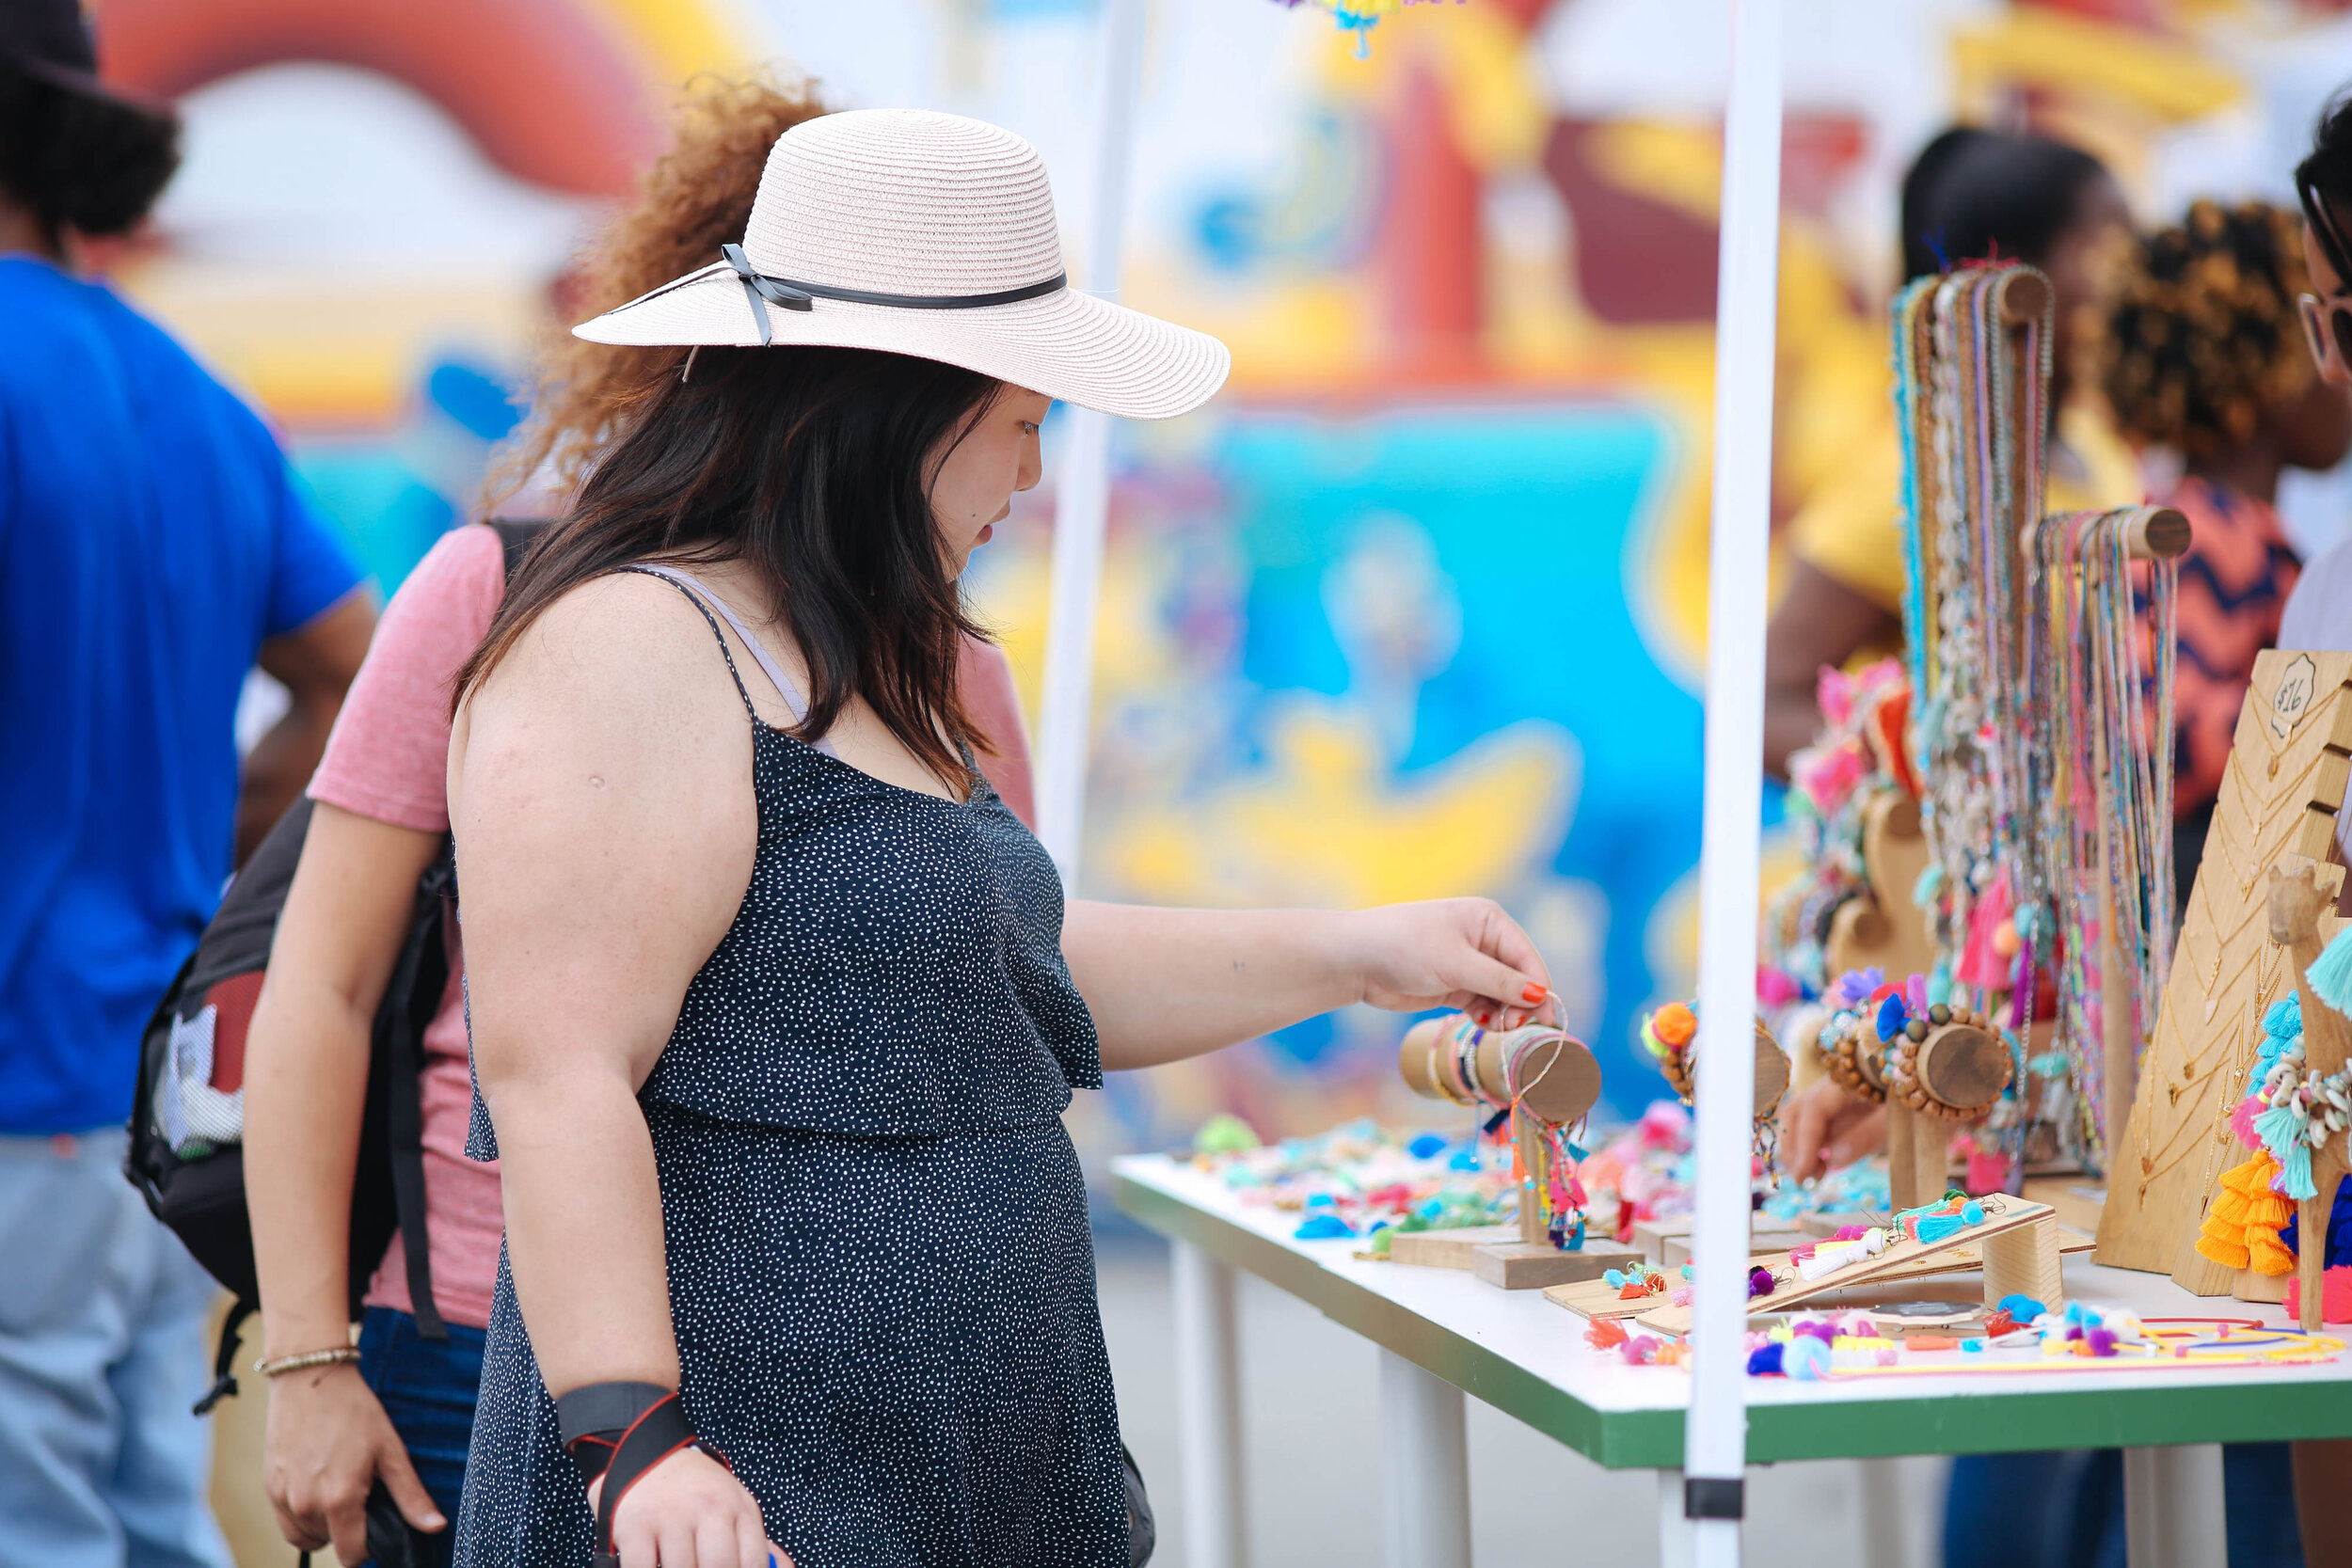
(329, 1439)
(690, 1512)
(1462, 953)
(1830, 1128)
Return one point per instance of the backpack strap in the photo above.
(225, 1357)
(420, 976)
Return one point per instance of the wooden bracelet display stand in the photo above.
(1956, 1071)
(1562, 1083)
(2300, 899)
(2288, 760)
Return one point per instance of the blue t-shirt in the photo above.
(150, 540)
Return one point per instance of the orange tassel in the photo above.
(2270, 1255)
(2229, 1254)
(2268, 1212)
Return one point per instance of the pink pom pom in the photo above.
(1773, 988)
(2242, 1121)
(1835, 696)
(2335, 1296)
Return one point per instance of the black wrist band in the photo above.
(622, 1460)
(604, 1409)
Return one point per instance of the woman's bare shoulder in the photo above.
(616, 639)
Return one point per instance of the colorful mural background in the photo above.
(1416, 609)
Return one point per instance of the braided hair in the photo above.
(2203, 335)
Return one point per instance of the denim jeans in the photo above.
(103, 1349)
(428, 1389)
(2066, 1510)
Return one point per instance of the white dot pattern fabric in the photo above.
(907, 201)
(880, 1270)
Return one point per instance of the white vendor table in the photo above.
(1443, 1334)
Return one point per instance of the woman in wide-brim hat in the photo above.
(775, 1006)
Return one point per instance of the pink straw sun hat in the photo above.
(925, 235)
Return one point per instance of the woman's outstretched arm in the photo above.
(1167, 984)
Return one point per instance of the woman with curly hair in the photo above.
(2206, 359)
(401, 1414)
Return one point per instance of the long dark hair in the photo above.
(2323, 183)
(812, 467)
(1970, 191)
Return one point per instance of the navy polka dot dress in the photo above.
(881, 1270)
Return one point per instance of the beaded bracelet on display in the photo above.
(1668, 1034)
(1454, 1070)
(1902, 1062)
(1842, 1056)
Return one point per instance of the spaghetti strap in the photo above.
(724, 652)
(776, 677)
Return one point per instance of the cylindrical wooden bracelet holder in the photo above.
(1559, 1082)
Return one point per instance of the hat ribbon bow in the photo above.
(758, 286)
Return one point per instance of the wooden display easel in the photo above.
(2289, 761)
(1562, 1084)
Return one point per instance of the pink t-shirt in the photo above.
(389, 759)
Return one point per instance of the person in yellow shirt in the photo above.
(1969, 195)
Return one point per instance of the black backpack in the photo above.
(186, 1152)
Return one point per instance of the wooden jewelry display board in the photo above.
(2289, 761)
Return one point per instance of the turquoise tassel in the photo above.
(2331, 975)
(1931, 883)
(1939, 987)
(1934, 1228)
(2285, 1021)
(2280, 1131)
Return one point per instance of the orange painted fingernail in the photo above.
(1533, 993)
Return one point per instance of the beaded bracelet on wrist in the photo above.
(338, 1355)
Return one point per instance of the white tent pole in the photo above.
(1715, 1435)
(1084, 486)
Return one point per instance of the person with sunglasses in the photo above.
(2318, 615)
(2318, 619)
